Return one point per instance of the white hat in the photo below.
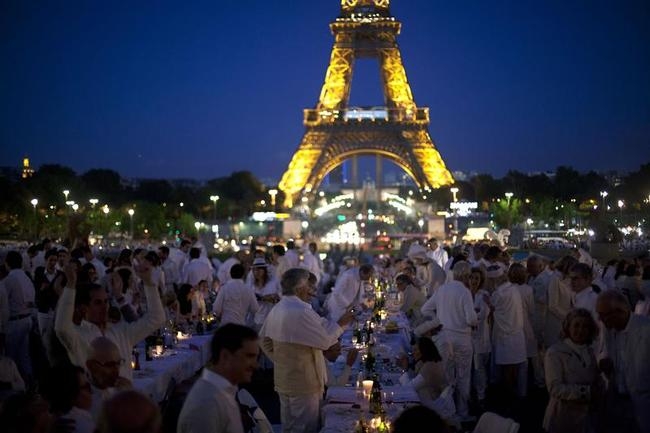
(417, 251)
(259, 263)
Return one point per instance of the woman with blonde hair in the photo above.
(572, 376)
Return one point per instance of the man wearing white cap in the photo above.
(427, 270)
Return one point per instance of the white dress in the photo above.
(508, 340)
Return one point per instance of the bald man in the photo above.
(104, 364)
(626, 362)
(130, 412)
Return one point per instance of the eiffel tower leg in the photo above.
(378, 176)
(354, 172)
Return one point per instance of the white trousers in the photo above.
(457, 357)
(480, 373)
(17, 345)
(300, 413)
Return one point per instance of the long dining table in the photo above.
(183, 361)
(345, 406)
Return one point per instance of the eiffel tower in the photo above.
(336, 132)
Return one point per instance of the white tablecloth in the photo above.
(180, 363)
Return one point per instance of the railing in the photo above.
(366, 114)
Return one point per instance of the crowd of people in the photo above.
(480, 321)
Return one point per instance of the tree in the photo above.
(104, 184)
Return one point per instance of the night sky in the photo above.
(200, 89)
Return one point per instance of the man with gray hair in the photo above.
(103, 365)
(452, 303)
(294, 338)
(626, 363)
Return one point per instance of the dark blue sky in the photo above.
(203, 88)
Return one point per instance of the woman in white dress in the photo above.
(481, 334)
(266, 291)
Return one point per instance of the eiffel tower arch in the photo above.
(334, 131)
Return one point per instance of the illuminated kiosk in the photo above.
(335, 132)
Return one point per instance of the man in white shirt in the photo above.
(89, 257)
(197, 270)
(349, 291)
(453, 305)
(291, 255)
(77, 339)
(223, 274)
(294, 337)
(625, 361)
(103, 366)
(170, 269)
(581, 277)
(20, 299)
(211, 405)
(436, 253)
(279, 261)
(235, 299)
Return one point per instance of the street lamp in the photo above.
(197, 226)
(34, 202)
(131, 212)
(604, 194)
(214, 199)
(509, 196)
(454, 191)
(621, 203)
(93, 202)
(66, 193)
(273, 193)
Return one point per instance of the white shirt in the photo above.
(509, 340)
(348, 292)
(172, 275)
(234, 301)
(196, 271)
(439, 255)
(20, 292)
(210, 407)
(77, 339)
(452, 303)
(586, 299)
(223, 274)
(292, 258)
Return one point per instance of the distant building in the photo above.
(28, 171)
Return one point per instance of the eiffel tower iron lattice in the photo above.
(336, 132)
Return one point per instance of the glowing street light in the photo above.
(93, 202)
(131, 212)
(214, 199)
(105, 209)
(273, 193)
(509, 196)
(621, 203)
(34, 202)
(66, 193)
(197, 226)
(75, 207)
(604, 194)
(454, 191)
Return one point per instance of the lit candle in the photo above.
(367, 386)
(132, 365)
